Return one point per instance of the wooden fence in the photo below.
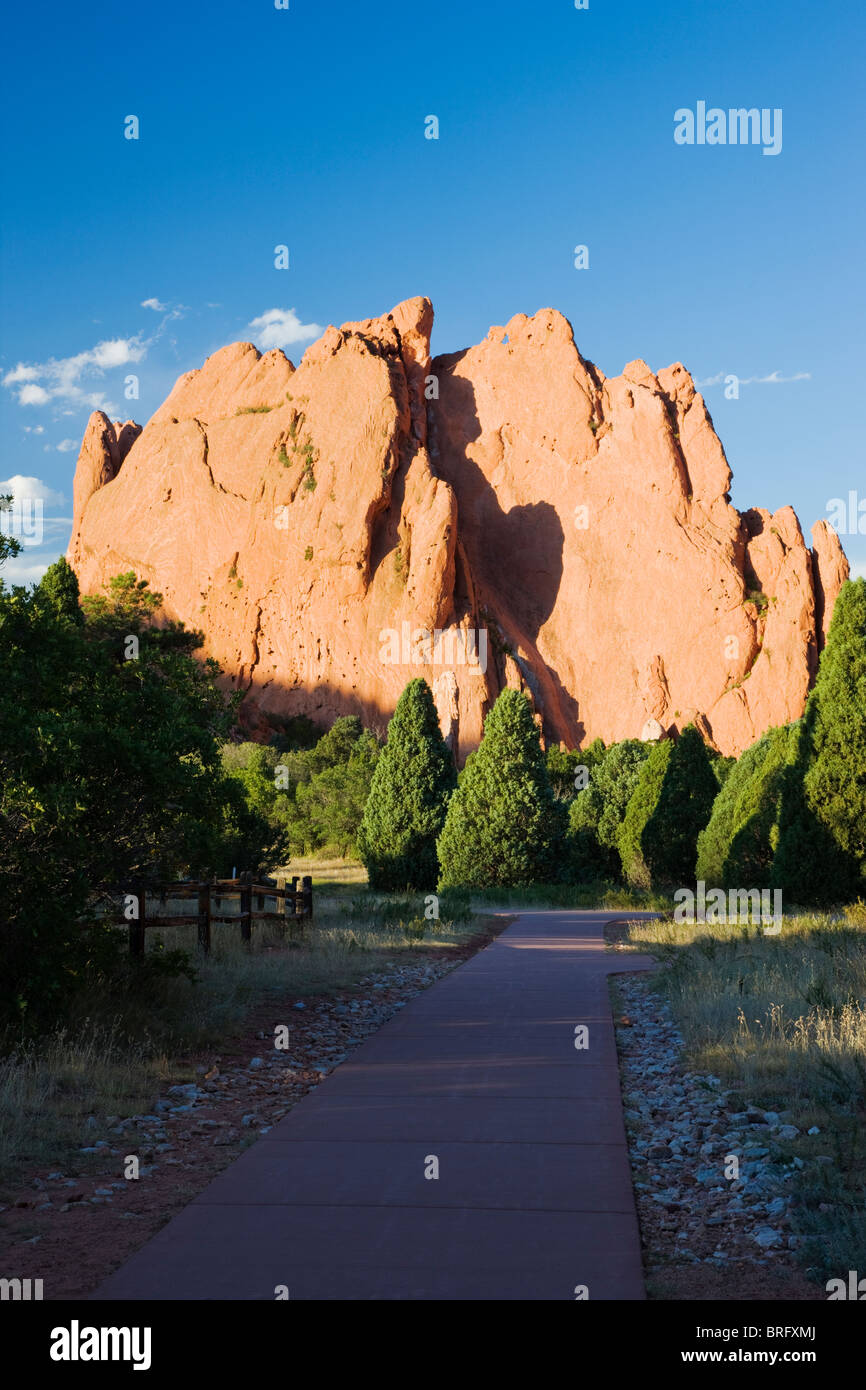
(297, 906)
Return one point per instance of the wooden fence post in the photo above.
(246, 907)
(308, 895)
(204, 916)
(138, 925)
(294, 898)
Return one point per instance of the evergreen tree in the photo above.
(58, 593)
(821, 855)
(722, 767)
(670, 805)
(736, 847)
(504, 827)
(9, 546)
(597, 812)
(331, 804)
(562, 766)
(411, 784)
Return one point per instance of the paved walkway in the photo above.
(479, 1072)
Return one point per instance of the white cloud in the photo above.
(279, 328)
(60, 378)
(116, 352)
(34, 488)
(154, 304)
(21, 571)
(34, 429)
(858, 570)
(31, 394)
(67, 445)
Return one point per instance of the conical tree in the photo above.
(821, 856)
(405, 811)
(58, 592)
(670, 805)
(504, 827)
(736, 847)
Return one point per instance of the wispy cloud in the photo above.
(773, 379)
(66, 446)
(64, 378)
(279, 328)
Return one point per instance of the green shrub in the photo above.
(110, 773)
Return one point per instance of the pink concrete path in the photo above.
(478, 1075)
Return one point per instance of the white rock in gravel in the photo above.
(767, 1237)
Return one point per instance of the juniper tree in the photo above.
(409, 791)
(596, 814)
(821, 855)
(736, 847)
(670, 805)
(504, 827)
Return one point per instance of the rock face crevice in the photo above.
(320, 524)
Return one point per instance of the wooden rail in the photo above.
(297, 906)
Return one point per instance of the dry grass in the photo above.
(47, 1094)
(326, 871)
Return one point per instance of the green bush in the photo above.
(310, 788)
(330, 805)
(109, 773)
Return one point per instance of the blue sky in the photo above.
(305, 127)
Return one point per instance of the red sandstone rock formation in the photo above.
(320, 524)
